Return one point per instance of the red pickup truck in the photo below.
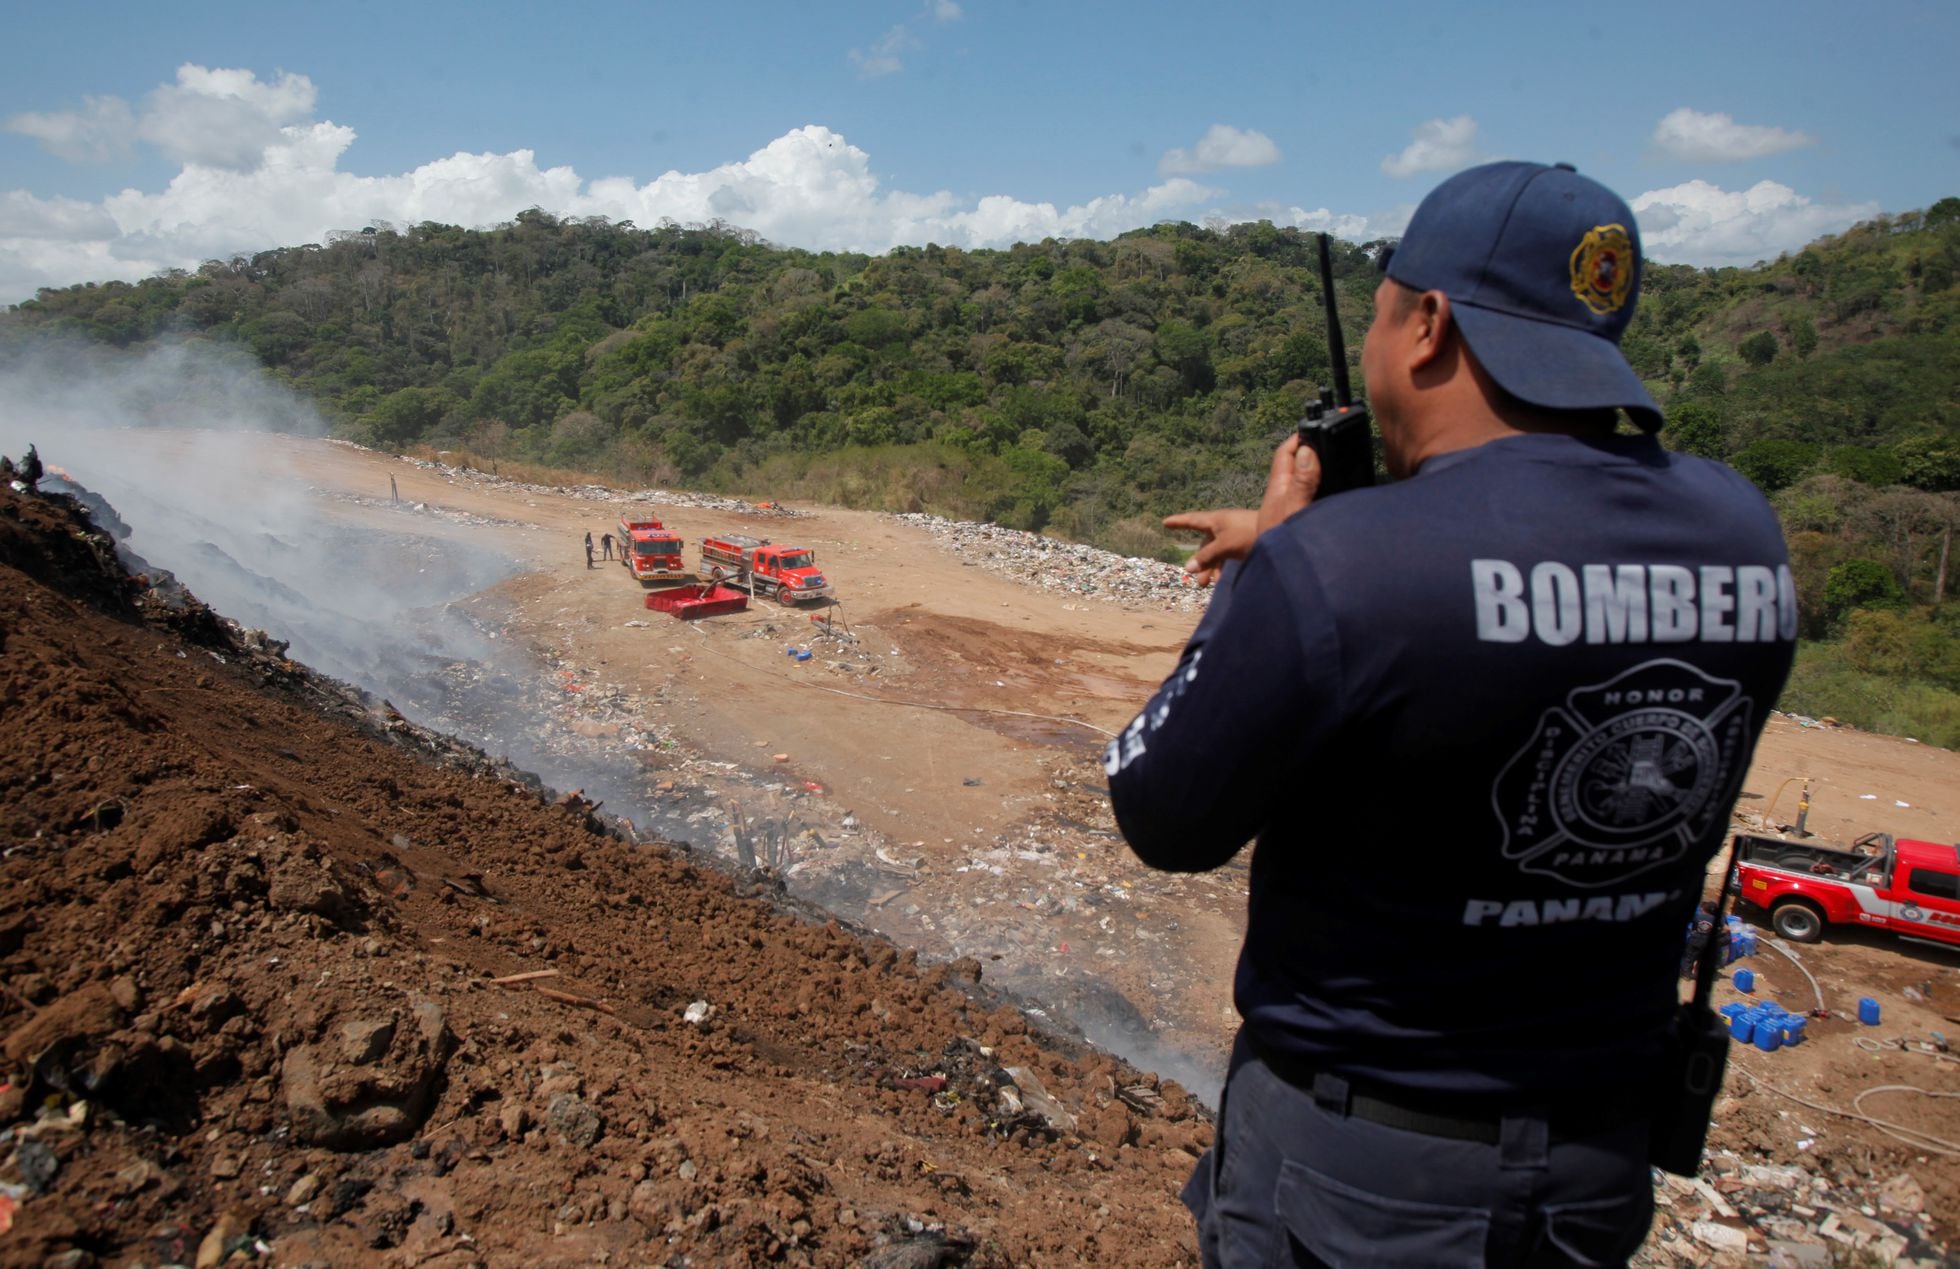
(1909, 887)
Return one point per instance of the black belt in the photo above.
(1396, 1108)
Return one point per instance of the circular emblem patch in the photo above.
(1637, 776)
(1624, 776)
(1602, 268)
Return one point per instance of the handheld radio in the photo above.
(1336, 427)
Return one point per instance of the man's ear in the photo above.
(1431, 328)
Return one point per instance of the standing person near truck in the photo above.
(1486, 724)
(1702, 930)
(606, 540)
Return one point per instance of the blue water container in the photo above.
(1868, 1011)
(1769, 1036)
(1741, 1027)
(1745, 980)
(1733, 1008)
(1793, 1030)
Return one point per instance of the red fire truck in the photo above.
(764, 568)
(651, 552)
(1911, 888)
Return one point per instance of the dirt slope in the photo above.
(248, 925)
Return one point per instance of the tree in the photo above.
(1867, 466)
(404, 417)
(1697, 427)
(1759, 349)
(1930, 462)
(1774, 464)
(1857, 584)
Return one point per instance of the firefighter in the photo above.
(1703, 930)
(1443, 1019)
(606, 540)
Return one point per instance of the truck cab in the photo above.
(650, 551)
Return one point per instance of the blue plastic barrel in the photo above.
(1769, 1036)
(1745, 980)
(1793, 1030)
(1742, 1027)
(1868, 1011)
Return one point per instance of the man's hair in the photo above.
(1406, 298)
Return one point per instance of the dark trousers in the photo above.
(1292, 1179)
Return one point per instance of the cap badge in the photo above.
(1602, 268)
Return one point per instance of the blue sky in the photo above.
(135, 137)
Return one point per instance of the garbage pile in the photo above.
(1740, 1212)
(1069, 567)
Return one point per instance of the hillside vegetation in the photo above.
(1084, 388)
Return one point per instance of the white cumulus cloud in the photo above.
(808, 188)
(52, 219)
(1702, 224)
(1694, 137)
(100, 131)
(1222, 146)
(223, 118)
(1440, 145)
(218, 118)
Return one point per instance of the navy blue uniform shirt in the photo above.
(1487, 725)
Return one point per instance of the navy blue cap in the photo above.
(1542, 267)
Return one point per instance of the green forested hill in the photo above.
(1082, 387)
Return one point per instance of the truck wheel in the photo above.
(1798, 921)
(786, 597)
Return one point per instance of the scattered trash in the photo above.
(37, 1165)
(698, 1012)
(1071, 567)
